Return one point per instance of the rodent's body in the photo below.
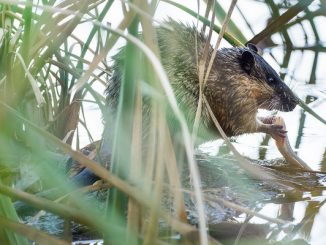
(240, 82)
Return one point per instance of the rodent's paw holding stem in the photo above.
(267, 120)
(267, 125)
(276, 131)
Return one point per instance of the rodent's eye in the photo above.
(271, 80)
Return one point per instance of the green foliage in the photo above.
(8, 211)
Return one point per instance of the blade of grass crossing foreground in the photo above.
(8, 211)
(5, 24)
(33, 234)
(227, 36)
(6, 128)
(27, 15)
(92, 34)
(121, 158)
(232, 28)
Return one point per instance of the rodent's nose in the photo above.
(296, 100)
(289, 103)
(290, 99)
(292, 106)
(292, 103)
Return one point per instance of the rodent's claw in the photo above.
(277, 131)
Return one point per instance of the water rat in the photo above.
(240, 82)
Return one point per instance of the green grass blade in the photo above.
(8, 211)
(304, 106)
(121, 158)
(228, 37)
(232, 28)
(27, 15)
(106, 8)
(33, 234)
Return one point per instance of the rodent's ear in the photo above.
(252, 47)
(247, 61)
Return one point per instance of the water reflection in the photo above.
(298, 52)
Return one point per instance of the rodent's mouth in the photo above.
(287, 107)
(289, 104)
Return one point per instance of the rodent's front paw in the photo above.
(276, 130)
(268, 120)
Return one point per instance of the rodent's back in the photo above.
(179, 58)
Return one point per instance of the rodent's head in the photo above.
(280, 97)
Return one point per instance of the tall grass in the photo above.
(45, 77)
(47, 74)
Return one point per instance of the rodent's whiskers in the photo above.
(253, 108)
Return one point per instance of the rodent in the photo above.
(240, 82)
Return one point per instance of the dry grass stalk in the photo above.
(219, 39)
(201, 61)
(31, 233)
(134, 210)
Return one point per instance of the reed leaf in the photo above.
(232, 27)
(230, 38)
(142, 198)
(8, 211)
(121, 156)
(30, 233)
(27, 15)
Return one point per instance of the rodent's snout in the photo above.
(288, 100)
(289, 103)
(289, 106)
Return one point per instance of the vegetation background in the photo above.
(55, 60)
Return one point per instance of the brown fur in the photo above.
(235, 90)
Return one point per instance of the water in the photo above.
(307, 135)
